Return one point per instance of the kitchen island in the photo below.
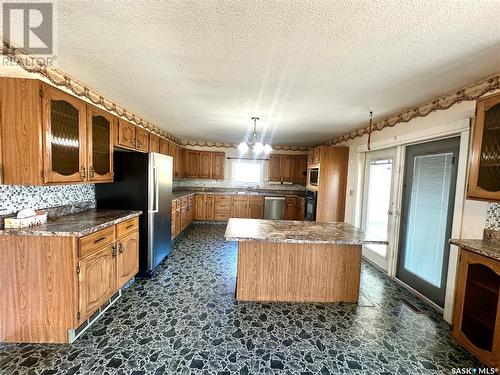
(297, 261)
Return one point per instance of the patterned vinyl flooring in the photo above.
(185, 320)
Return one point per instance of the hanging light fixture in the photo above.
(253, 141)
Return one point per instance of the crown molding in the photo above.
(471, 92)
(234, 145)
(61, 79)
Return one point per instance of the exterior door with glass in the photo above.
(378, 203)
(427, 211)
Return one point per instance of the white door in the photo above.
(378, 203)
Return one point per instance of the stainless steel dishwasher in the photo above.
(274, 208)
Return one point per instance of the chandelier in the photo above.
(253, 141)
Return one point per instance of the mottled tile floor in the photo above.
(186, 320)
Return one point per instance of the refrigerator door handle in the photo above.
(156, 189)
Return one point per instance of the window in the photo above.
(247, 172)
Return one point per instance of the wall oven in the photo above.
(313, 176)
(310, 207)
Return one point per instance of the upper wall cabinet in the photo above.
(205, 164)
(132, 137)
(49, 136)
(484, 171)
(100, 126)
(287, 168)
(64, 130)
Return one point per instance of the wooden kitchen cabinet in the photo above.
(300, 209)
(96, 280)
(142, 140)
(314, 156)
(290, 210)
(484, 164)
(154, 143)
(192, 163)
(240, 207)
(218, 165)
(275, 168)
(132, 137)
(222, 207)
(287, 168)
(205, 165)
(100, 125)
(209, 207)
(200, 204)
(300, 169)
(64, 122)
(51, 137)
(256, 207)
(164, 149)
(127, 258)
(476, 318)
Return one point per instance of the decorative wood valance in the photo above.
(470, 92)
(234, 145)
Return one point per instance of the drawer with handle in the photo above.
(96, 241)
(127, 227)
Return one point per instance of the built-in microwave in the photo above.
(313, 176)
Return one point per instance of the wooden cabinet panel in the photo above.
(182, 162)
(154, 143)
(222, 207)
(256, 207)
(142, 139)
(183, 217)
(64, 123)
(286, 165)
(484, 164)
(209, 208)
(127, 227)
(476, 317)
(192, 163)
(96, 241)
(126, 134)
(200, 204)
(274, 168)
(205, 165)
(290, 211)
(127, 260)
(100, 125)
(299, 169)
(240, 207)
(97, 280)
(164, 147)
(300, 209)
(218, 165)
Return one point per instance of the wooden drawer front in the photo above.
(291, 200)
(178, 204)
(240, 199)
(174, 205)
(95, 241)
(223, 198)
(222, 215)
(224, 206)
(184, 202)
(127, 227)
(190, 200)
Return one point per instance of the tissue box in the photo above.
(15, 223)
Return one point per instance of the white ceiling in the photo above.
(310, 69)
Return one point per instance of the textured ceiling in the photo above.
(309, 69)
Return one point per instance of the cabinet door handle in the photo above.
(113, 250)
(83, 173)
(100, 239)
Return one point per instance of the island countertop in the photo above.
(282, 231)
(76, 224)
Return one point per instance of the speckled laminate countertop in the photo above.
(482, 247)
(275, 193)
(297, 232)
(76, 224)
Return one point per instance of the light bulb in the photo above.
(258, 148)
(267, 148)
(243, 147)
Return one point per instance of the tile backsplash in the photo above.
(14, 198)
(493, 216)
(201, 183)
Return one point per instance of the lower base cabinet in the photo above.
(476, 319)
(56, 283)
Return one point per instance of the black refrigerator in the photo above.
(143, 181)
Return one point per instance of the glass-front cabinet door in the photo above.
(99, 145)
(484, 176)
(64, 118)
